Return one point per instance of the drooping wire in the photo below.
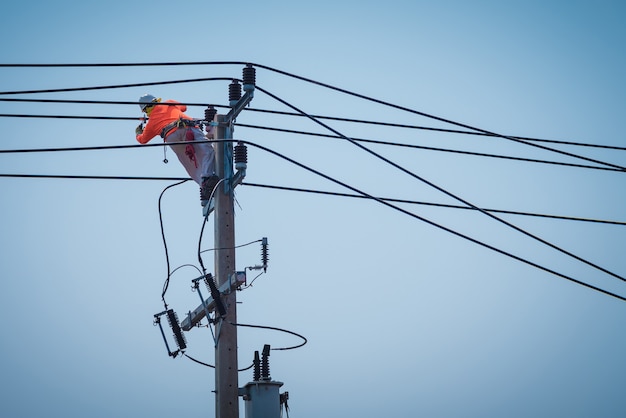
(167, 257)
(212, 366)
(442, 190)
(304, 340)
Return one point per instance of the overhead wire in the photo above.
(322, 192)
(422, 114)
(167, 257)
(432, 223)
(433, 117)
(444, 191)
(442, 205)
(371, 141)
(116, 86)
(325, 117)
(422, 147)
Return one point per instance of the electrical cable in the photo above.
(231, 248)
(422, 147)
(304, 340)
(277, 112)
(446, 192)
(427, 128)
(117, 86)
(426, 115)
(108, 102)
(432, 223)
(293, 189)
(167, 257)
(212, 366)
(442, 205)
(371, 141)
(314, 82)
(421, 113)
(205, 219)
(185, 265)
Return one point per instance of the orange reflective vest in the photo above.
(160, 117)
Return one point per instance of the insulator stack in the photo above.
(241, 156)
(172, 318)
(264, 253)
(234, 92)
(209, 113)
(215, 294)
(265, 363)
(249, 77)
(256, 373)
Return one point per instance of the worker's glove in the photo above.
(139, 129)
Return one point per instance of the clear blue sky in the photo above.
(402, 318)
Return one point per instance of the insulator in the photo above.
(234, 92)
(241, 156)
(256, 373)
(264, 254)
(209, 113)
(265, 363)
(215, 294)
(172, 318)
(249, 77)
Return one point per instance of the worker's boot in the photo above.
(207, 188)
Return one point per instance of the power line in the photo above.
(446, 192)
(397, 166)
(318, 83)
(106, 102)
(297, 132)
(423, 147)
(427, 128)
(334, 118)
(117, 86)
(366, 195)
(441, 205)
(432, 223)
(437, 118)
(321, 192)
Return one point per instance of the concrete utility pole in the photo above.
(226, 365)
(223, 293)
(226, 377)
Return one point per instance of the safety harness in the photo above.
(180, 123)
(190, 151)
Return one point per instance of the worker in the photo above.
(177, 129)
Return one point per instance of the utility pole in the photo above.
(226, 365)
(226, 378)
(261, 396)
(223, 293)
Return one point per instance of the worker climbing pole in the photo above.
(185, 137)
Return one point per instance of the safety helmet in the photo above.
(145, 100)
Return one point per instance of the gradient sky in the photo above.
(402, 318)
